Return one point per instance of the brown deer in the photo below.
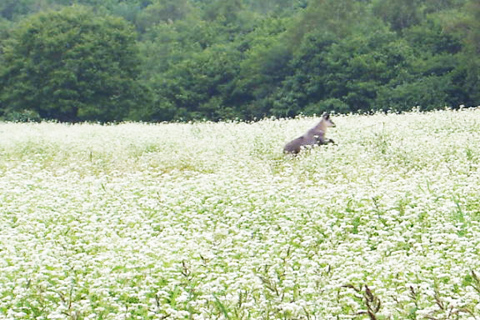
(314, 136)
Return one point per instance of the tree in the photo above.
(163, 11)
(72, 65)
(197, 88)
(400, 14)
(9, 9)
(225, 10)
(471, 51)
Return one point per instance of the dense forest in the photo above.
(181, 60)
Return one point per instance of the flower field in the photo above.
(212, 221)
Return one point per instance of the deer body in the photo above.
(314, 136)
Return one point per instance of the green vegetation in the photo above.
(72, 65)
(211, 221)
(162, 60)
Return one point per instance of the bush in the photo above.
(22, 116)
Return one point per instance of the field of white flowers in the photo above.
(212, 221)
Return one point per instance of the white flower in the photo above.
(138, 218)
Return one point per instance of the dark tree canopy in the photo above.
(72, 65)
(164, 60)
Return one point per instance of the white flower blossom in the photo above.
(211, 220)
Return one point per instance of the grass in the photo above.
(212, 221)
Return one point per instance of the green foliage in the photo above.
(71, 65)
(10, 9)
(22, 116)
(469, 29)
(163, 11)
(201, 83)
(265, 65)
(235, 59)
(399, 14)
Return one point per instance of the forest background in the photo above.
(182, 60)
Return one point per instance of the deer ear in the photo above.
(326, 116)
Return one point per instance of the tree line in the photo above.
(181, 60)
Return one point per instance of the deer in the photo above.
(314, 136)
